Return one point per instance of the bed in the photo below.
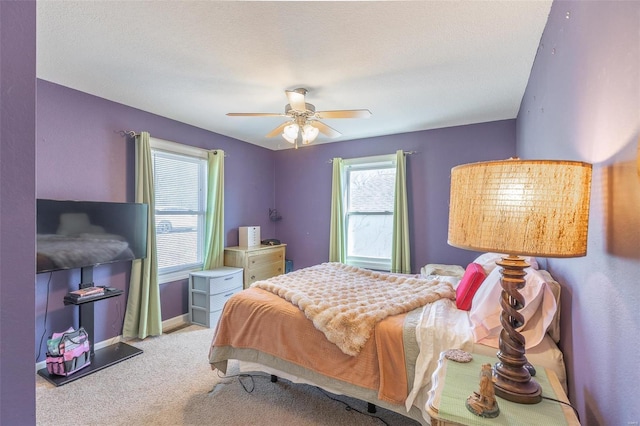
(275, 328)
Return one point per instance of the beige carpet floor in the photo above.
(171, 383)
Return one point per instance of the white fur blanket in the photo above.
(345, 302)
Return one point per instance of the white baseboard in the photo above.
(175, 322)
(169, 324)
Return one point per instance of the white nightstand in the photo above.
(208, 292)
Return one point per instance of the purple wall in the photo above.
(17, 210)
(582, 103)
(82, 156)
(303, 187)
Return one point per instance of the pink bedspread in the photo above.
(257, 319)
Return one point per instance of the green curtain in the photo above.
(143, 317)
(337, 252)
(214, 227)
(400, 251)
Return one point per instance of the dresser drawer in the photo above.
(263, 272)
(265, 257)
(259, 263)
(216, 284)
(213, 302)
(202, 317)
(217, 301)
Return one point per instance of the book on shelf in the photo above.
(85, 293)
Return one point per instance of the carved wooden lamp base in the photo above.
(528, 207)
(513, 381)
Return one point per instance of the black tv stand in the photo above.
(107, 294)
(100, 358)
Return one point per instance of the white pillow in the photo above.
(539, 310)
(454, 281)
(488, 261)
(442, 269)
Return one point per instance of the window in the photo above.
(180, 179)
(369, 200)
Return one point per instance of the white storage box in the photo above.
(249, 236)
(209, 291)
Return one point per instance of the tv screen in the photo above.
(78, 234)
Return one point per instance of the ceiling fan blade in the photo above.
(329, 131)
(255, 114)
(278, 130)
(296, 99)
(345, 113)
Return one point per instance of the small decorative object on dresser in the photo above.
(259, 263)
(483, 403)
(249, 236)
(209, 291)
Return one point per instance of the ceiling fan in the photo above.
(304, 122)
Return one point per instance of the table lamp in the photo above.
(519, 207)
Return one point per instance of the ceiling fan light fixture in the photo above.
(304, 123)
(290, 132)
(309, 133)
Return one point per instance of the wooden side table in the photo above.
(453, 382)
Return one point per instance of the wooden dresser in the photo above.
(259, 262)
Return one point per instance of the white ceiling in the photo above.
(415, 65)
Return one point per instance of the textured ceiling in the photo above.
(415, 65)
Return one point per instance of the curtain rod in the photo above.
(133, 134)
(129, 133)
(405, 153)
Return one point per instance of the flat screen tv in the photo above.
(82, 234)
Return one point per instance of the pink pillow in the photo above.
(469, 284)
